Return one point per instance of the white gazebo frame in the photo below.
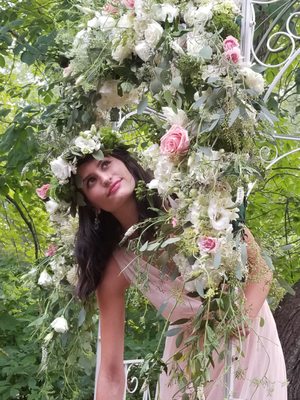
(250, 55)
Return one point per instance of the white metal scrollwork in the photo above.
(132, 383)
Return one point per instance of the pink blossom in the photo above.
(128, 3)
(230, 42)
(175, 141)
(51, 250)
(174, 222)
(208, 244)
(43, 190)
(110, 9)
(233, 54)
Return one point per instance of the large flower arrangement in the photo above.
(177, 68)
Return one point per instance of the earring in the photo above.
(96, 221)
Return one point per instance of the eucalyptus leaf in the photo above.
(81, 317)
(162, 308)
(173, 331)
(179, 339)
(98, 155)
(283, 283)
(268, 260)
(144, 246)
(217, 259)
(153, 246)
(233, 116)
(170, 241)
(181, 321)
(206, 53)
(142, 105)
(199, 287)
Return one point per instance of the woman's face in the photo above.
(107, 184)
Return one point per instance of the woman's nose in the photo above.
(106, 179)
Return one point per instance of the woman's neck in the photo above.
(128, 215)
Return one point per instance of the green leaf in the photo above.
(173, 331)
(286, 286)
(2, 61)
(181, 321)
(144, 246)
(153, 246)
(156, 86)
(81, 317)
(98, 155)
(168, 97)
(261, 322)
(162, 308)
(206, 53)
(199, 287)
(170, 241)
(179, 339)
(142, 105)
(233, 116)
(28, 58)
(217, 259)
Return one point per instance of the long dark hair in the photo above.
(94, 245)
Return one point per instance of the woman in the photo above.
(112, 208)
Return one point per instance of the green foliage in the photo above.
(19, 352)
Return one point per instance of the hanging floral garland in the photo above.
(177, 67)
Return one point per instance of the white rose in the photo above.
(176, 47)
(253, 80)
(153, 33)
(51, 206)
(195, 42)
(197, 15)
(125, 22)
(61, 169)
(220, 216)
(103, 22)
(72, 276)
(143, 50)
(161, 12)
(121, 52)
(45, 279)
(153, 184)
(178, 118)
(60, 325)
(86, 145)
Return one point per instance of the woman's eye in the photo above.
(105, 164)
(90, 181)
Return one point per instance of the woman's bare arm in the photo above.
(111, 301)
(259, 279)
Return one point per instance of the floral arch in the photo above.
(179, 70)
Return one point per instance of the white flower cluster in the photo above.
(139, 32)
(204, 205)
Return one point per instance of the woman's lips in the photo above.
(114, 187)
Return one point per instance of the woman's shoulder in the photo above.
(113, 280)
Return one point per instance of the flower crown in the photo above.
(65, 183)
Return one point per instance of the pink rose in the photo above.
(43, 190)
(230, 42)
(233, 54)
(110, 9)
(51, 250)
(208, 244)
(175, 141)
(128, 3)
(174, 222)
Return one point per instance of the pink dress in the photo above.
(259, 375)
